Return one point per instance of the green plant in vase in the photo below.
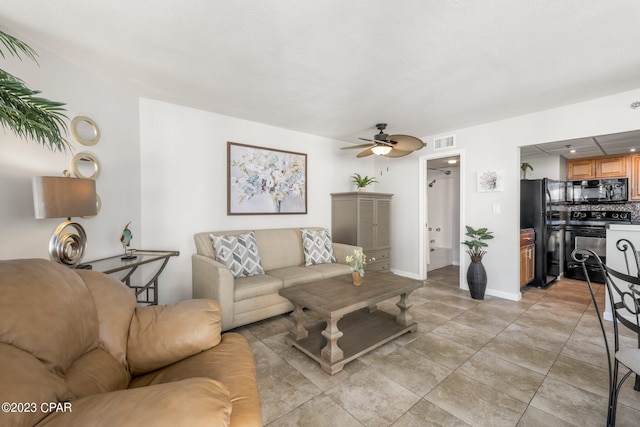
(523, 167)
(362, 181)
(476, 274)
(357, 261)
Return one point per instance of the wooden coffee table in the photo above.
(362, 327)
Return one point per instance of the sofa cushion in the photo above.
(280, 247)
(255, 286)
(94, 373)
(191, 402)
(115, 303)
(24, 378)
(295, 275)
(331, 270)
(47, 311)
(239, 253)
(163, 334)
(317, 247)
(232, 363)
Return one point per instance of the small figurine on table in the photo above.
(126, 241)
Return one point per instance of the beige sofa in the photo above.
(75, 350)
(249, 299)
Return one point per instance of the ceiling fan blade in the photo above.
(365, 153)
(356, 146)
(397, 153)
(367, 139)
(406, 142)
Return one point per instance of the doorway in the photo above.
(441, 211)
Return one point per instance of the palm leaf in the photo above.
(15, 46)
(30, 116)
(22, 111)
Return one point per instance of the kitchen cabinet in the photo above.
(634, 181)
(527, 256)
(364, 219)
(598, 167)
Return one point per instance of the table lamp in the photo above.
(65, 197)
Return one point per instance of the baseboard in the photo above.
(504, 295)
(405, 274)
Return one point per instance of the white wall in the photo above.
(116, 113)
(494, 146)
(554, 167)
(184, 180)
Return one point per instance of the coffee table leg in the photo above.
(298, 331)
(331, 352)
(404, 318)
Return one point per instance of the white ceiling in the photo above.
(602, 145)
(336, 68)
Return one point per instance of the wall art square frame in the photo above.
(489, 181)
(265, 181)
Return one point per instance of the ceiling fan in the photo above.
(386, 145)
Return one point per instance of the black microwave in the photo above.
(611, 190)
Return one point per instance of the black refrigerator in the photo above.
(543, 208)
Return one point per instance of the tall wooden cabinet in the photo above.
(364, 219)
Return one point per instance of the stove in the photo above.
(599, 218)
(588, 230)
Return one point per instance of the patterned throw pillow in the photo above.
(239, 253)
(317, 247)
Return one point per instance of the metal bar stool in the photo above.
(624, 294)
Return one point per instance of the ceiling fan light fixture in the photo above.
(381, 150)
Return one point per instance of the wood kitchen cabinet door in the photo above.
(634, 182)
(611, 167)
(580, 169)
(527, 257)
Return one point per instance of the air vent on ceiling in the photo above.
(444, 142)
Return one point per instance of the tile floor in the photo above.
(536, 362)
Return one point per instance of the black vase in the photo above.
(477, 279)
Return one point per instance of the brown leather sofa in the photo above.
(75, 350)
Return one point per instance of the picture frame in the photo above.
(489, 181)
(265, 181)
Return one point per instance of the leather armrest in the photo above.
(164, 334)
(212, 279)
(190, 402)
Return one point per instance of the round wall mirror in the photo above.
(85, 165)
(85, 130)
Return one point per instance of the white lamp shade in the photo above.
(64, 197)
(381, 150)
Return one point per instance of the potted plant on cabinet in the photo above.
(523, 167)
(362, 182)
(476, 274)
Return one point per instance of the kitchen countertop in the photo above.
(624, 227)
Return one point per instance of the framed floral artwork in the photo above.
(265, 181)
(489, 181)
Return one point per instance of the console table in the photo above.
(146, 293)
